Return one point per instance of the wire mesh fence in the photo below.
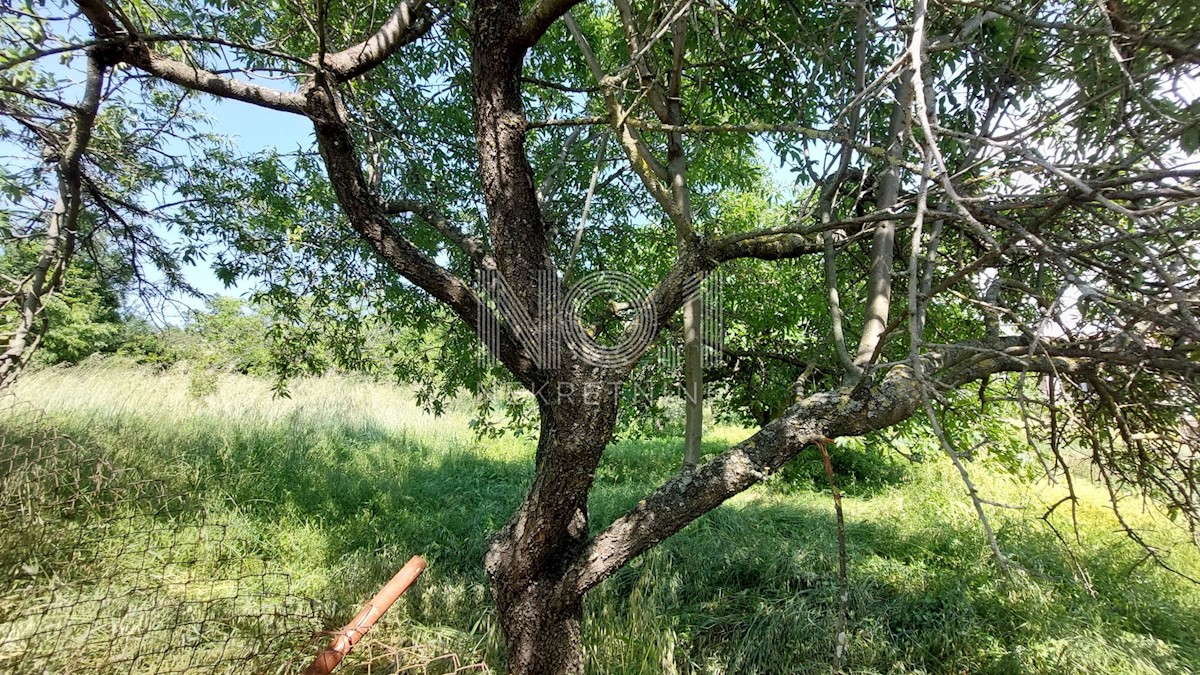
(104, 569)
(101, 570)
(380, 657)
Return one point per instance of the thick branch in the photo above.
(692, 493)
(469, 245)
(879, 283)
(765, 246)
(541, 16)
(138, 54)
(199, 79)
(407, 22)
(843, 412)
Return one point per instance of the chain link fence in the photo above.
(104, 570)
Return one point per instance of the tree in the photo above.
(985, 197)
(74, 181)
(85, 312)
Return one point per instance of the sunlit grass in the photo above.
(325, 495)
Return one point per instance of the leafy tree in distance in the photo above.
(993, 198)
(231, 337)
(86, 316)
(86, 312)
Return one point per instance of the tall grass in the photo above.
(334, 488)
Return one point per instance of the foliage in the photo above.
(228, 336)
(86, 313)
(859, 468)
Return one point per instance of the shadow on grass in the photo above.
(750, 588)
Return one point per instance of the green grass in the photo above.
(225, 514)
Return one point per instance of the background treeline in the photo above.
(91, 317)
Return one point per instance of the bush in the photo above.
(225, 337)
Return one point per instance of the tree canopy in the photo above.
(911, 209)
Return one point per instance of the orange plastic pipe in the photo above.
(346, 638)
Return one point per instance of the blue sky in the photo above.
(251, 129)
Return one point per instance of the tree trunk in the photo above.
(542, 626)
(61, 231)
(531, 562)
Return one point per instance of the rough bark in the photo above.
(518, 231)
(542, 627)
(61, 230)
(692, 493)
(527, 561)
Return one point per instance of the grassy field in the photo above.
(254, 521)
